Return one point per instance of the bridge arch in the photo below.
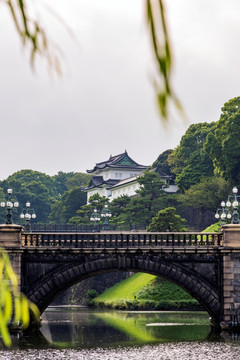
(46, 289)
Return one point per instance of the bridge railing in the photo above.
(121, 239)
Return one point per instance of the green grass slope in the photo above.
(213, 228)
(127, 288)
(143, 291)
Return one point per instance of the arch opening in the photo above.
(46, 290)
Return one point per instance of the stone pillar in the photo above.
(11, 242)
(231, 276)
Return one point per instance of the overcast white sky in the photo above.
(105, 102)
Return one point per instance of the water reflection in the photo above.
(94, 329)
(78, 334)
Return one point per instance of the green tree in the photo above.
(78, 180)
(66, 208)
(33, 186)
(83, 214)
(167, 220)
(189, 161)
(208, 193)
(223, 145)
(61, 180)
(118, 205)
(134, 215)
(161, 163)
(137, 212)
(151, 185)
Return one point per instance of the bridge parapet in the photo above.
(121, 239)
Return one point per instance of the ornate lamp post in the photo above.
(9, 203)
(95, 218)
(27, 214)
(223, 213)
(232, 205)
(106, 214)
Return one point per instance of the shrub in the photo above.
(91, 294)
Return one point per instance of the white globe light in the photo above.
(228, 203)
(223, 204)
(9, 204)
(217, 216)
(2, 204)
(16, 204)
(34, 216)
(22, 216)
(235, 203)
(223, 216)
(229, 216)
(235, 190)
(28, 204)
(9, 191)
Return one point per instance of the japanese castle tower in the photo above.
(116, 176)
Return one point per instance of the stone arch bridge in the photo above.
(206, 265)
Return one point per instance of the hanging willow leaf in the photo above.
(162, 53)
(32, 34)
(15, 309)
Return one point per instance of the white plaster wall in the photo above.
(118, 174)
(171, 189)
(128, 189)
(100, 191)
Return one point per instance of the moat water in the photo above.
(79, 334)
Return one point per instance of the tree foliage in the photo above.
(78, 180)
(47, 194)
(208, 193)
(66, 207)
(167, 220)
(161, 164)
(189, 161)
(223, 145)
(83, 214)
(61, 179)
(137, 212)
(33, 186)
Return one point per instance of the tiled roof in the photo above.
(118, 161)
(97, 181)
(125, 181)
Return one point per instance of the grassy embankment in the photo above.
(145, 291)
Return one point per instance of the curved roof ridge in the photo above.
(121, 160)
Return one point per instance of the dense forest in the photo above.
(205, 165)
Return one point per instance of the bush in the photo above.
(91, 294)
